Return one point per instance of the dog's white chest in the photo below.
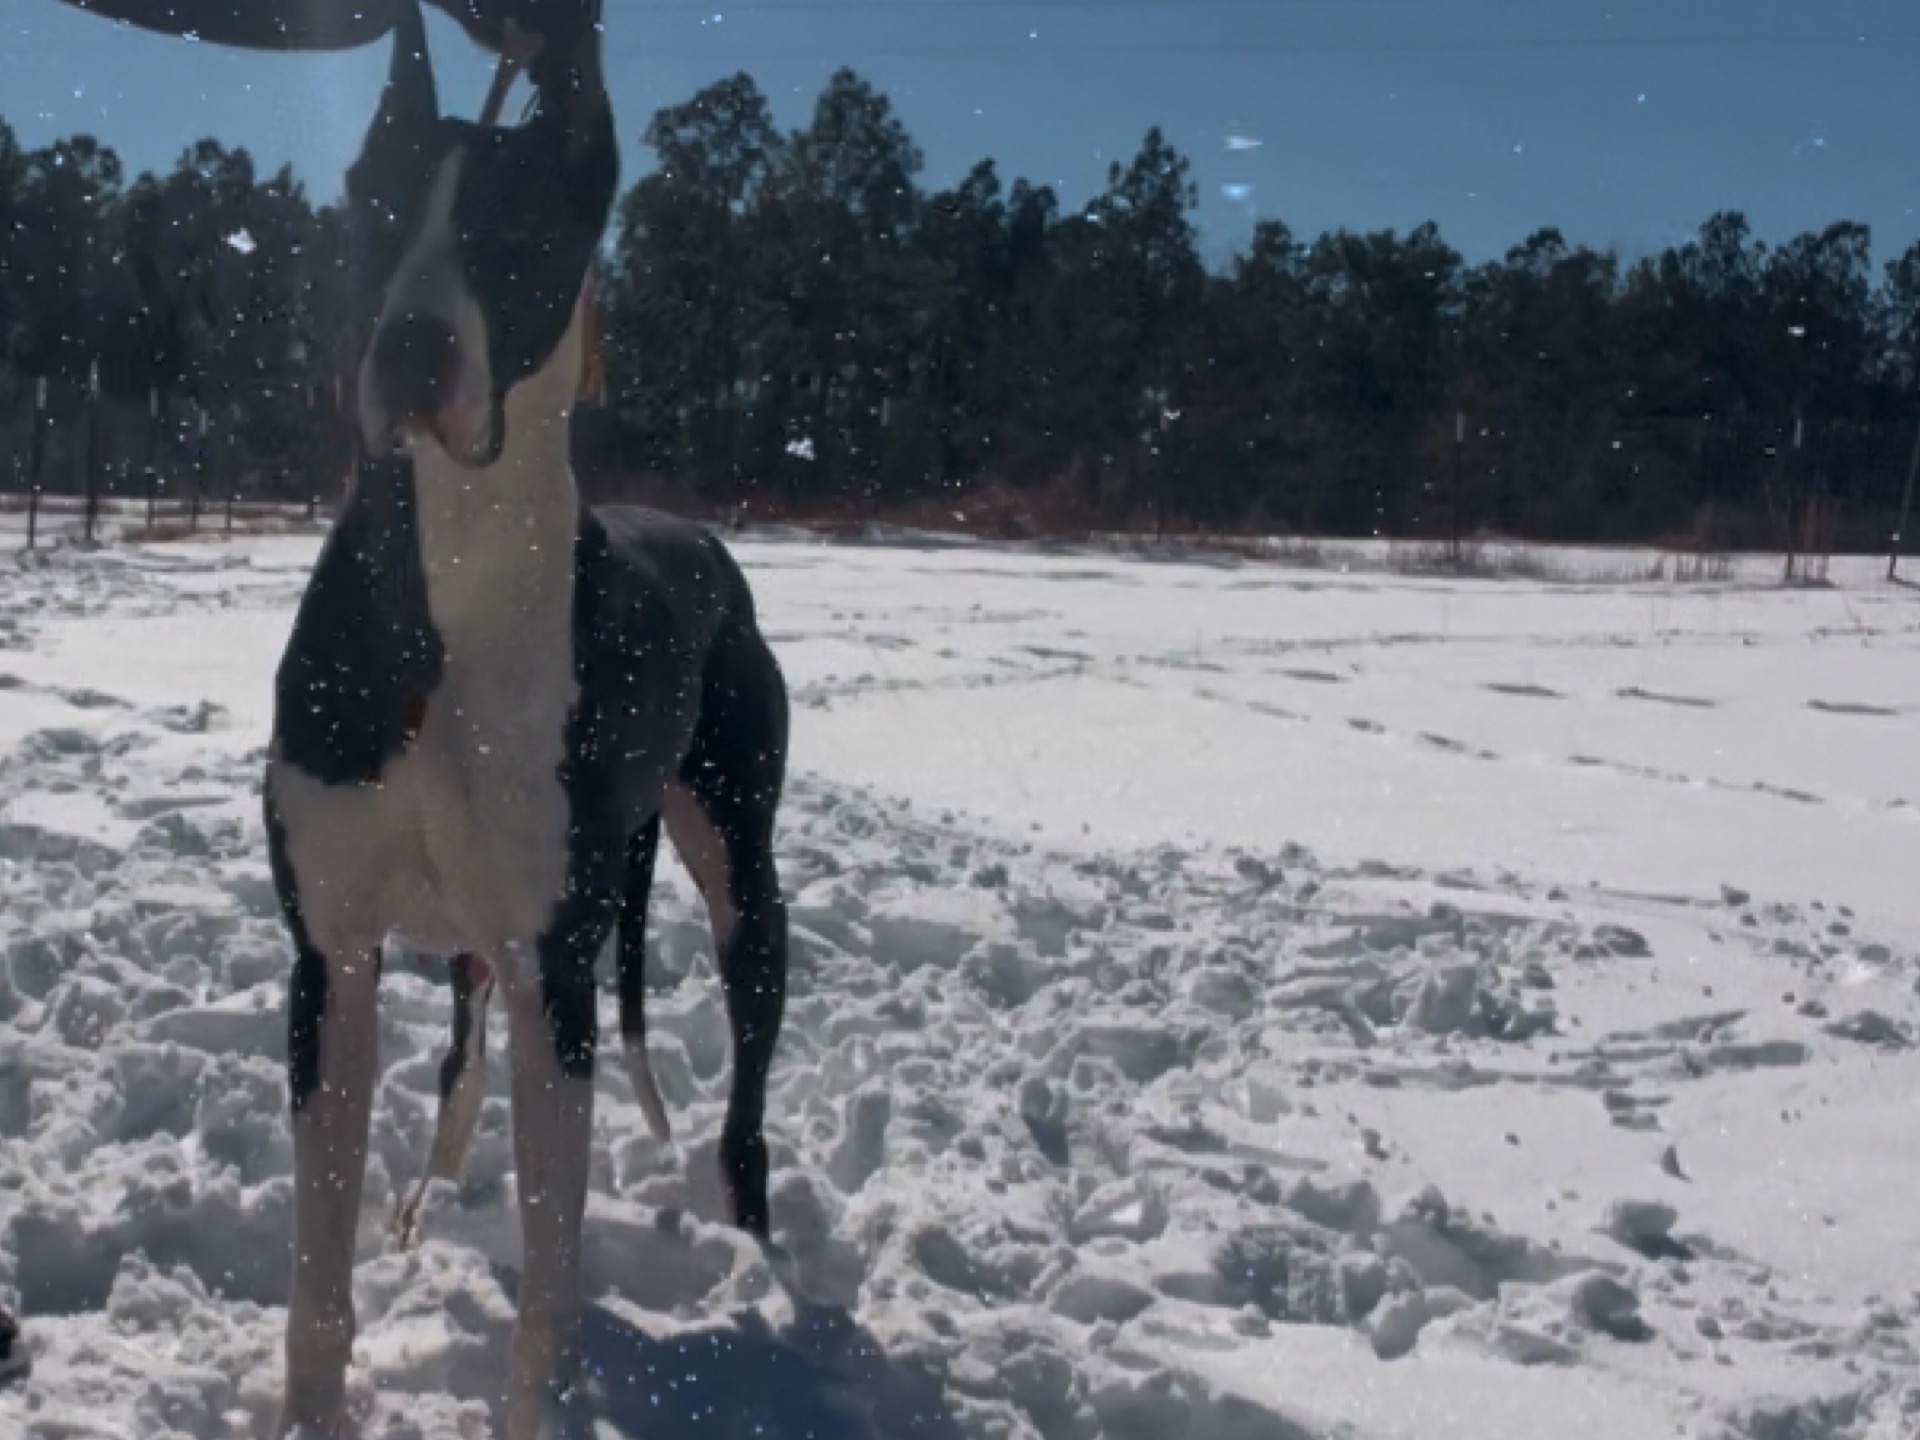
(463, 845)
(482, 781)
(481, 787)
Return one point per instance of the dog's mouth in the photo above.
(472, 439)
(425, 389)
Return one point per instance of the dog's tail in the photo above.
(633, 978)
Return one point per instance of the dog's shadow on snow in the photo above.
(821, 1377)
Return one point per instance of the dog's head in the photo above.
(477, 241)
(473, 242)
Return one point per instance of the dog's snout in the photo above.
(416, 360)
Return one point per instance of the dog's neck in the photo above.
(497, 545)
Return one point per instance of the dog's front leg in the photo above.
(552, 1032)
(332, 1042)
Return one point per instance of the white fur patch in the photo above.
(703, 850)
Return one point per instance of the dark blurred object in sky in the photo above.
(329, 24)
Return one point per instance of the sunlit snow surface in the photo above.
(1209, 978)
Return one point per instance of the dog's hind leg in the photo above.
(463, 1086)
(720, 815)
(633, 974)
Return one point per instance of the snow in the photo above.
(1230, 1000)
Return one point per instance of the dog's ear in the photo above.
(569, 54)
(535, 197)
(571, 88)
(388, 183)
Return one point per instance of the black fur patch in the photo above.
(306, 1016)
(307, 989)
(364, 656)
(532, 206)
(459, 1054)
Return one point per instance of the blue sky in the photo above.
(1624, 123)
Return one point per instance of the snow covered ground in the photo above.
(1231, 1003)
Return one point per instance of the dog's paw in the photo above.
(404, 1229)
(786, 1272)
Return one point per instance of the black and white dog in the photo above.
(491, 699)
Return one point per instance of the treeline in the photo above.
(796, 324)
